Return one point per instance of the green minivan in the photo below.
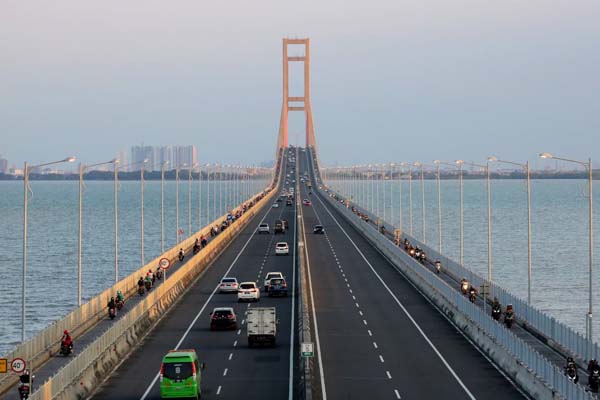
(180, 375)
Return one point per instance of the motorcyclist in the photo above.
(496, 309)
(120, 296)
(24, 387)
(111, 303)
(196, 246)
(472, 294)
(25, 377)
(571, 370)
(67, 341)
(158, 273)
(509, 315)
(382, 229)
(141, 286)
(593, 372)
(203, 241)
(150, 275)
(464, 285)
(148, 283)
(438, 266)
(181, 254)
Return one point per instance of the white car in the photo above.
(248, 291)
(282, 248)
(263, 228)
(228, 284)
(275, 205)
(271, 275)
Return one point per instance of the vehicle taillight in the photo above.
(214, 316)
(193, 370)
(162, 371)
(230, 316)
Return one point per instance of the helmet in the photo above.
(112, 298)
(66, 332)
(119, 293)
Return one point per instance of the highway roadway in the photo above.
(376, 335)
(233, 371)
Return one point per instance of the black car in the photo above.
(318, 229)
(223, 318)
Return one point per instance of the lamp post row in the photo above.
(82, 169)
(367, 202)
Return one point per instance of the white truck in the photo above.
(262, 325)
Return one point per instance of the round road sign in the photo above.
(17, 365)
(164, 263)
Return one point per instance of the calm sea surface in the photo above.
(559, 239)
(559, 235)
(52, 241)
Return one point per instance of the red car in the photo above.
(306, 202)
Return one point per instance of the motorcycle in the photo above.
(595, 381)
(509, 319)
(196, 249)
(65, 349)
(416, 254)
(181, 256)
(112, 312)
(24, 390)
(148, 285)
(120, 304)
(141, 290)
(422, 258)
(571, 374)
(496, 312)
(159, 274)
(472, 295)
(438, 267)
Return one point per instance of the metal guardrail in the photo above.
(545, 370)
(171, 287)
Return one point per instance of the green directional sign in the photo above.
(307, 350)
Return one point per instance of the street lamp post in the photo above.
(26, 170)
(199, 196)
(437, 162)
(142, 212)
(190, 182)
(459, 165)
(418, 164)
(528, 180)
(82, 169)
(588, 166)
(489, 209)
(162, 206)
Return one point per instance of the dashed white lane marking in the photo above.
(243, 321)
(235, 344)
(365, 321)
(347, 284)
(225, 372)
(369, 332)
(381, 358)
(353, 297)
(397, 394)
(357, 306)
(375, 345)
(388, 374)
(360, 312)
(350, 290)
(230, 356)
(219, 390)
(239, 331)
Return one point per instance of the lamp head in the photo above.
(546, 155)
(417, 164)
(437, 162)
(459, 162)
(492, 159)
(115, 161)
(69, 159)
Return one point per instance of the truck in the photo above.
(261, 325)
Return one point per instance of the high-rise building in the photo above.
(3, 165)
(176, 156)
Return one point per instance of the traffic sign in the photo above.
(17, 365)
(164, 263)
(307, 349)
(3, 365)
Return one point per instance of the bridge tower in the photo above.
(291, 103)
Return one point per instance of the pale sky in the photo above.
(392, 80)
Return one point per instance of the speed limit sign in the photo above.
(164, 263)
(17, 365)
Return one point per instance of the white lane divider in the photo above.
(409, 316)
(151, 385)
(235, 344)
(397, 394)
(381, 358)
(375, 345)
(230, 356)
(388, 374)
(225, 372)
(219, 390)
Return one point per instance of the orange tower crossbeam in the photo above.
(298, 103)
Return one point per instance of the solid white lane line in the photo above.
(230, 356)
(312, 300)
(225, 372)
(397, 394)
(381, 358)
(410, 317)
(292, 327)
(219, 390)
(149, 388)
(388, 374)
